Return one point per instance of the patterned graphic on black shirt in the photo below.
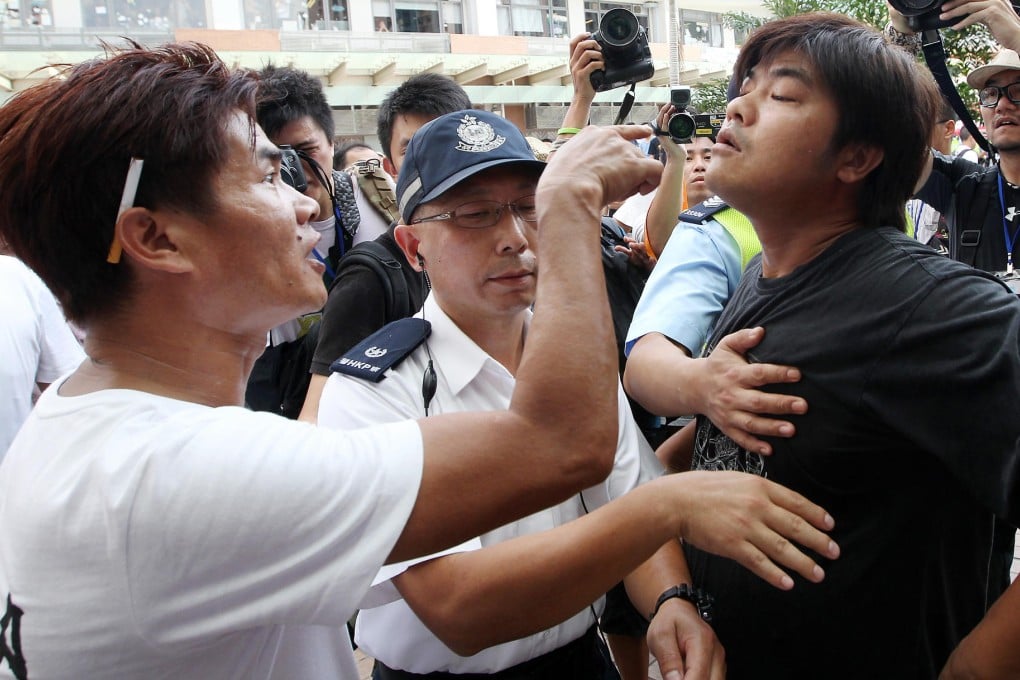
(713, 450)
(10, 641)
(1011, 199)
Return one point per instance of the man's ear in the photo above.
(408, 242)
(148, 237)
(855, 161)
(948, 129)
(389, 167)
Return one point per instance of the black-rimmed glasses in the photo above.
(482, 214)
(989, 96)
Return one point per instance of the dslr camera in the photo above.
(291, 171)
(682, 127)
(628, 59)
(922, 15)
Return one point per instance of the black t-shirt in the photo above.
(911, 371)
(356, 306)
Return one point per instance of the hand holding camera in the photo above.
(915, 16)
(681, 127)
(625, 51)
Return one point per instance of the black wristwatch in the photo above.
(696, 596)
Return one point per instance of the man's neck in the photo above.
(202, 365)
(502, 338)
(1009, 166)
(794, 242)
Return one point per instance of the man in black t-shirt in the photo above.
(982, 204)
(910, 364)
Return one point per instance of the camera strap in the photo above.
(935, 57)
(626, 105)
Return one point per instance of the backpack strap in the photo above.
(972, 200)
(384, 349)
(377, 187)
(377, 257)
(349, 217)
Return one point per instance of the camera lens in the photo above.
(619, 27)
(910, 7)
(680, 127)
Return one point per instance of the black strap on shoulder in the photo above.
(377, 257)
(935, 57)
(971, 205)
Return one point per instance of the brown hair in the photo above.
(65, 146)
(883, 99)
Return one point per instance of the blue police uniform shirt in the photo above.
(695, 275)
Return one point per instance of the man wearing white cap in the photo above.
(983, 204)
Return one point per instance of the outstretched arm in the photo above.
(485, 592)
(543, 448)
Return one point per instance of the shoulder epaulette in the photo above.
(384, 349)
(702, 211)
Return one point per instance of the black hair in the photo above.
(168, 106)
(286, 94)
(338, 155)
(424, 94)
(882, 96)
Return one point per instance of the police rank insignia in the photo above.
(476, 136)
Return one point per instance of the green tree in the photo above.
(710, 96)
(965, 50)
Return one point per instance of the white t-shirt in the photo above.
(634, 211)
(468, 380)
(36, 344)
(146, 537)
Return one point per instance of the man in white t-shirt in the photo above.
(149, 525)
(36, 344)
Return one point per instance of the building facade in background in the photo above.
(510, 55)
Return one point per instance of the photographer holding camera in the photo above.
(982, 204)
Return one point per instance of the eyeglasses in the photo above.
(482, 214)
(989, 96)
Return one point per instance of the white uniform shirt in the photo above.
(146, 537)
(36, 344)
(468, 380)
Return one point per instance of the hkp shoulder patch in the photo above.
(702, 211)
(384, 349)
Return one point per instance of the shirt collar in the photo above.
(457, 355)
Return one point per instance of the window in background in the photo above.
(329, 15)
(532, 17)
(701, 28)
(418, 16)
